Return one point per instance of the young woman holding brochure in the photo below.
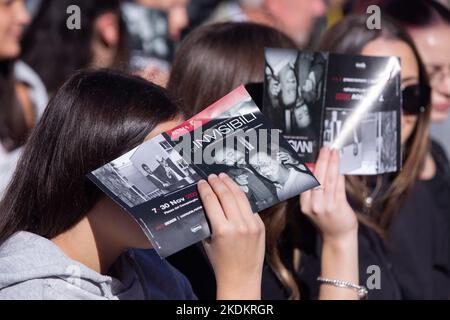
(405, 221)
(61, 238)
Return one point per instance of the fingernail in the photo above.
(202, 182)
(223, 175)
(212, 177)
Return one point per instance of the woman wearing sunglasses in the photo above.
(404, 250)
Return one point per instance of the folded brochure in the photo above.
(157, 181)
(349, 102)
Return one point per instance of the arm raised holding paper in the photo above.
(237, 244)
(330, 211)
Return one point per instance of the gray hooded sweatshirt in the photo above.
(33, 267)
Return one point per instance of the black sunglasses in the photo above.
(416, 98)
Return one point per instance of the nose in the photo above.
(21, 13)
(319, 8)
(446, 84)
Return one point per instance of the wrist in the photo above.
(239, 289)
(342, 241)
(340, 258)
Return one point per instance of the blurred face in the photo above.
(177, 14)
(266, 166)
(242, 179)
(302, 116)
(434, 47)
(288, 84)
(296, 17)
(334, 116)
(229, 157)
(13, 18)
(410, 72)
(178, 19)
(146, 168)
(163, 4)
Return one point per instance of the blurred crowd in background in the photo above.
(53, 51)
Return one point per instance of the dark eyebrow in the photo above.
(436, 66)
(409, 79)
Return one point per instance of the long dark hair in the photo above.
(417, 14)
(94, 118)
(212, 61)
(54, 51)
(350, 36)
(13, 127)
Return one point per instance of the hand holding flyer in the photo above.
(233, 226)
(157, 181)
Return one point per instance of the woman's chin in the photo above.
(10, 52)
(439, 116)
(143, 245)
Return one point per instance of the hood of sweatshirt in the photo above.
(33, 267)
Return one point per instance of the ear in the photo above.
(107, 29)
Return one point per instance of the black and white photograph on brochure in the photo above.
(124, 181)
(152, 170)
(367, 147)
(268, 171)
(349, 102)
(295, 83)
(162, 166)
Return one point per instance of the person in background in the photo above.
(184, 15)
(210, 63)
(199, 11)
(428, 23)
(335, 11)
(32, 6)
(22, 94)
(177, 12)
(295, 18)
(56, 225)
(153, 178)
(404, 227)
(55, 51)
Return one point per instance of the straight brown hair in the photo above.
(213, 60)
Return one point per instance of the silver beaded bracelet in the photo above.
(361, 290)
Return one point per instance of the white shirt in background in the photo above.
(38, 96)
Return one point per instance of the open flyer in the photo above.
(348, 102)
(157, 181)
